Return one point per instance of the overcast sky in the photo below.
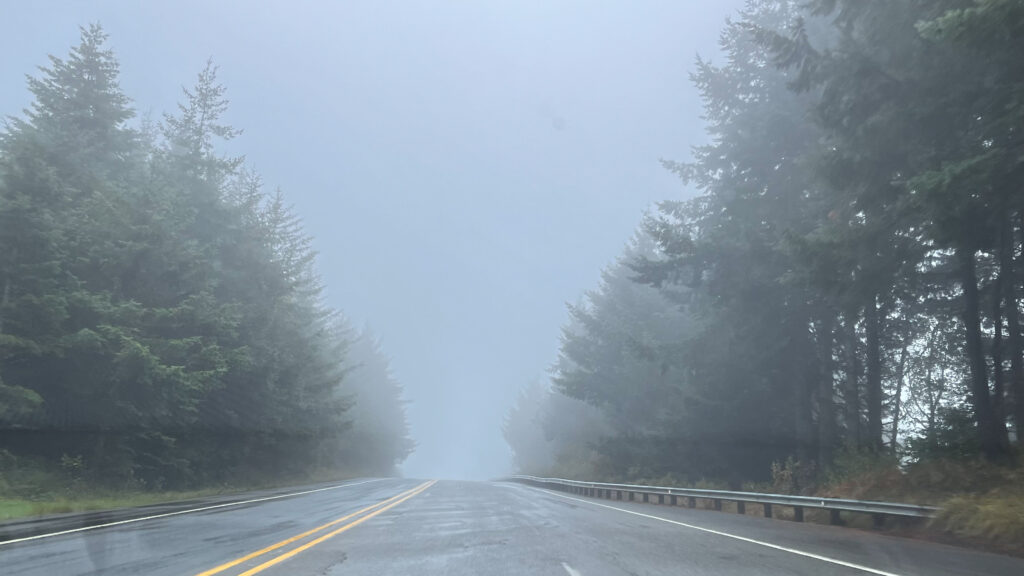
(467, 168)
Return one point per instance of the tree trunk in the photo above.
(874, 374)
(826, 392)
(806, 379)
(933, 402)
(897, 399)
(804, 425)
(1008, 273)
(990, 433)
(998, 388)
(851, 388)
(4, 300)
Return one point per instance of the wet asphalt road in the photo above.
(480, 529)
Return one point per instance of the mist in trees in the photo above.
(162, 321)
(379, 437)
(848, 274)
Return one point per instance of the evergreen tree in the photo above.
(161, 319)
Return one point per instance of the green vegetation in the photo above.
(11, 509)
(162, 325)
(50, 494)
(40, 487)
(837, 309)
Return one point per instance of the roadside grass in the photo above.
(982, 503)
(16, 508)
(33, 492)
(995, 519)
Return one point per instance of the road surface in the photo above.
(399, 526)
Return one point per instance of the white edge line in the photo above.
(189, 511)
(734, 536)
(572, 571)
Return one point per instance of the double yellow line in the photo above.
(378, 508)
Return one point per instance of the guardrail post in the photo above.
(691, 502)
(673, 500)
(798, 513)
(619, 494)
(741, 507)
(833, 517)
(632, 496)
(646, 497)
(661, 498)
(878, 520)
(718, 504)
(767, 510)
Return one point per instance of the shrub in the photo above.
(793, 477)
(863, 473)
(954, 436)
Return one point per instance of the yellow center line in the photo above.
(335, 532)
(285, 542)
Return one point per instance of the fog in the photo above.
(465, 168)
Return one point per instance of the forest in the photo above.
(840, 290)
(162, 322)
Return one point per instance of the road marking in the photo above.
(189, 511)
(733, 536)
(572, 571)
(293, 552)
(285, 542)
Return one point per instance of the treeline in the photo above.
(848, 275)
(161, 320)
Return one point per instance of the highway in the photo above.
(402, 526)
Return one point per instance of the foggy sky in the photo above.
(467, 168)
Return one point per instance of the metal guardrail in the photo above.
(879, 510)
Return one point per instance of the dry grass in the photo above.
(982, 504)
(995, 518)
